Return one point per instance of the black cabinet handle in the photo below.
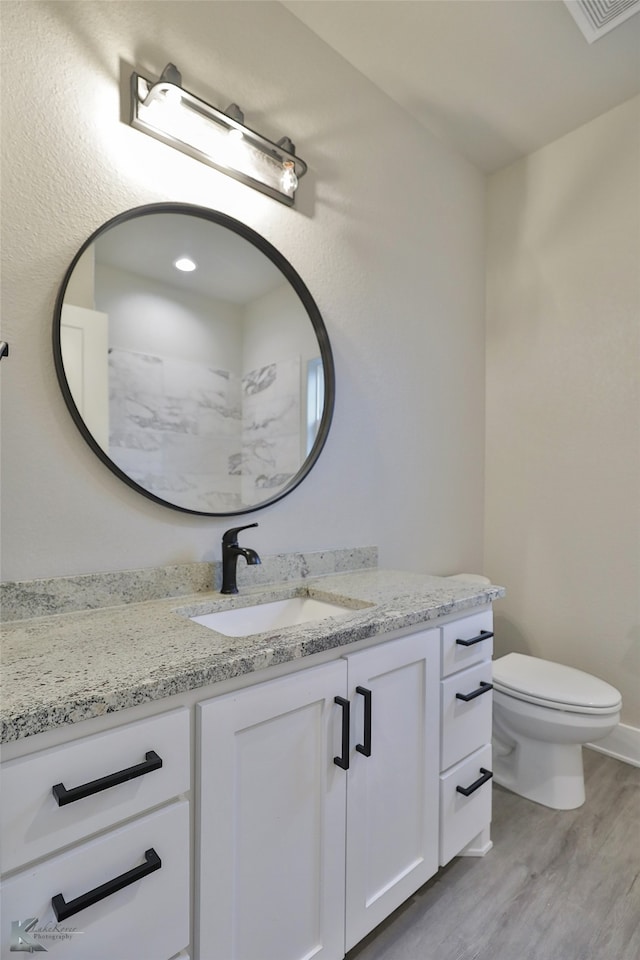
(467, 791)
(365, 748)
(343, 761)
(63, 910)
(151, 762)
(483, 635)
(483, 688)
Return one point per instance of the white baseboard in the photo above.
(479, 845)
(623, 744)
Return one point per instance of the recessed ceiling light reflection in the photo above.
(185, 264)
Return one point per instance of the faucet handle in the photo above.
(230, 537)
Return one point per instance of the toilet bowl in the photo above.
(543, 713)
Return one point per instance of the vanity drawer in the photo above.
(33, 823)
(464, 642)
(463, 817)
(465, 724)
(147, 918)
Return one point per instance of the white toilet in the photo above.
(543, 713)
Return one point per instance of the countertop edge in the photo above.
(188, 668)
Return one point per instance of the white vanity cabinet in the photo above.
(325, 796)
(95, 845)
(318, 802)
(465, 736)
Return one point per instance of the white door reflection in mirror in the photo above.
(84, 338)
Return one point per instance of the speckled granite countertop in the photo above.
(69, 667)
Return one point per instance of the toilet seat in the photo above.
(553, 685)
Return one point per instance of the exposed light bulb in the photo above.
(162, 97)
(171, 96)
(186, 264)
(288, 179)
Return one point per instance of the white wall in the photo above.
(563, 401)
(276, 327)
(168, 321)
(387, 234)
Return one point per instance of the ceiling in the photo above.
(497, 79)
(229, 267)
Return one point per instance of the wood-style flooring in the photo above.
(557, 885)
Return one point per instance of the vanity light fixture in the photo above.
(168, 112)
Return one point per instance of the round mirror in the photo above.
(194, 360)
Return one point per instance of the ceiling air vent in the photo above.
(597, 17)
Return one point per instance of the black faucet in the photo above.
(231, 550)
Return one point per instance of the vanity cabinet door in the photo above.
(465, 803)
(121, 896)
(60, 795)
(392, 793)
(271, 820)
(466, 642)
(467, 703)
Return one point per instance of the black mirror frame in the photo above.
(296, 282)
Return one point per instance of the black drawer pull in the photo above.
(467, 791)
(343, 761)
(365, 748)
(151, 762)
(483, 688)
(483, 635)
(63, 910)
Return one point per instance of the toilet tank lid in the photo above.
(553, 682)
(476, 578)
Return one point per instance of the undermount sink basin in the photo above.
(244, 621)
